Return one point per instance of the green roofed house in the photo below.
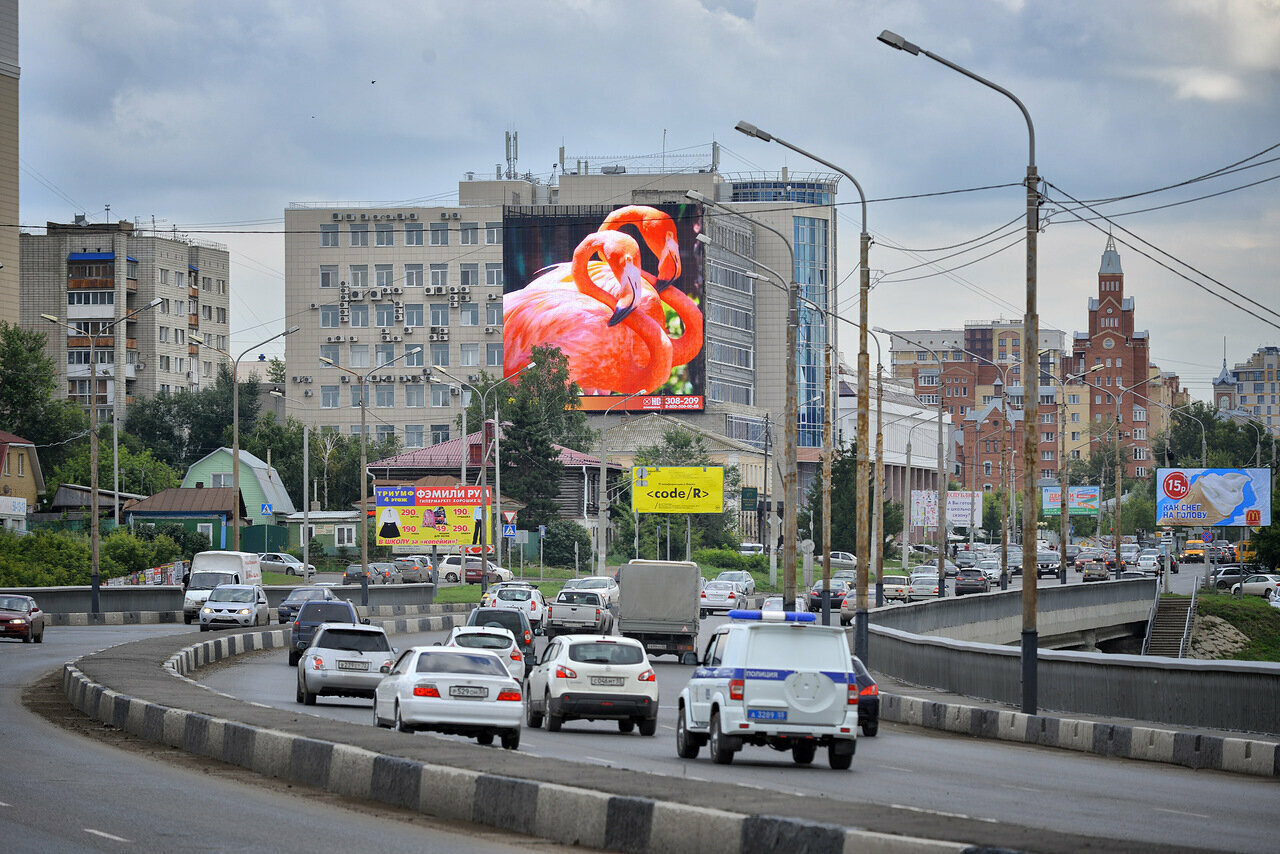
(266, 502)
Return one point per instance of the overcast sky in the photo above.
(213, 117)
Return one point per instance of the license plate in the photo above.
(612, 681)
(468, 691)
(353, 665)
(766, 715)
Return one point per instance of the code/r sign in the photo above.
(677, 489)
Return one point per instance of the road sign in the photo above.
(1207, 536)
(750, 499)
(509, 531)
(542, 531)
(522, 537)
(677, 489)
(509, 516)
(266, 509)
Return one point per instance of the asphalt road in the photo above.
(903, 768)
(62, 792)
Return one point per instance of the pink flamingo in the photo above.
(578, 322)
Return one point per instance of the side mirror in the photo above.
(437, 643)
(365, 621)
(386, 668)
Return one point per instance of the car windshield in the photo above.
(326, 612)
(460, 663)
(569, 597)
(304, 595)
(515, 594)
(233, 595)
(895, 579)
(13, 603)
(500, 617)
(720, 585)
(354, 640)
(605, 652)
(476, 640)
(206, 580)
(594, 583)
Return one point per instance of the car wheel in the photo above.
(377, 721)
(802, 752)
(532, 718)
(702, 614)
(844, 621)
(451, 576)
(720, 753)
(485, 739)
(40, 637)
(626, 726)
(400, 725)
(186, 619)
(27, 638)
(294, 655)
(648, 726)
(1268, 595)
(871, 728)
(203, 627)
(554, 721)
(308, 699)
(687, 746)
(289, 571)
(511, 739)
(839, 761)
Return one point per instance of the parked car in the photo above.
(451, 569)
(235, 605)
(290, 604)
(310, 616)
(21, 617)
(343, 661)
(521, 598)
(923, 585)
(868, 698)
(493, 639)
(776, 680)
(586, 677)
(513, 621)
(971, 581)
(718, 596)
(751, 549)
(746, 584)
(838, 590)
(1228, 575)
(841, 559)
(491, 571)
(286, 563)
(468, 693)
(1262, 584)
(605, 586)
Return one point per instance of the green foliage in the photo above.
(275, 370)
(1253, 617)
(173, 541)
(28, 406)
(43, 559)
(557, 548)
(181, 428)
(723, 559)
(140, 471)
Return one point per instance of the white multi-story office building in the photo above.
(369, 283)
(91, 274)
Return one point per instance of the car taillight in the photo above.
(735, 689)
(515, 655)
(871, 690)
(296, 624)
(597, 613)
(853, 693)
(511, 696)
(648, 676)
(425, 689)
(704, 594)
(732, 595)
(533, 605)
(528, 637)
(317, 663)
(563, 672)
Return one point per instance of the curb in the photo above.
(569, 815)
(1151, 744)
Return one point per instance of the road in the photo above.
(63, 792)
(903, 768)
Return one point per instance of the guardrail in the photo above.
(1151, 621)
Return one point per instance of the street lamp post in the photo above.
(792, 429)
(362, 380)
(942, 469)
(1030, 355)
(864, 390)
(95, 576)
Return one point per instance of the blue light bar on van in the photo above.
(773, 616)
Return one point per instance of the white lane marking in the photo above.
(1181, 812)
(1025, 788)
(896, 768)
(3, 804)
(941, 813)
(664, 726)
(106, 835)
(596, 759)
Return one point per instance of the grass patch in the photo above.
(269, 578)
(470, 593)
(1253, 617)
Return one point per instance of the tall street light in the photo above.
(484, 469)
(942, 466)
(94, 553)
(791, 435)
(864, 389)
(362, 380)
(1030, 371)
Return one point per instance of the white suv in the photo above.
(771, 678)
(594, 678)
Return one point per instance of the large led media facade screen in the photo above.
(619, 290)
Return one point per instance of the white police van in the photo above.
(771, 678)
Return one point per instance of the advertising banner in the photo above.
(450, 517)
(924, 508)
(1081, 500)
(1208, 497)
(677, 489)
(619, 290)
(964, 509)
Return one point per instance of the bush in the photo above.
(43, 559)
(727, 559)
(557, 548)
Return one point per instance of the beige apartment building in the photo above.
(9, 207)
(369, 284)
(91, 275)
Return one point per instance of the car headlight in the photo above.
(206, 610)
(244, 611)
(19, 621)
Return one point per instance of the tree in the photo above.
(681, 447)
(28, 407)
(558, 547)
(844, 503)
(140, 471)
(275, 370)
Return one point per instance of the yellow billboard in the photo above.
(450, 517)
(677, 489)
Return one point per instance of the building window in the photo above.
(359, 275)
(1075, 418)
(440, 275)
(382, 275)
(359, 235)
(328, 320)
(222, 480)
(439, 395)
(1046, 455)
(413, 434)
(360, 315)
(469, 314)
(439, 433)
(469, 233)
(383, 354)
(493, 314)
(359, 355)
(1140, 471)
(329, 276)
(469, 355)
(344, 535)
(1139, 414)
(928, 399)
(1140, 434)
(413, 234)
(328, 397)
(328, 236)
(1073, 398)
(384, 396)
(222, 315)
(440, 355)
(384, 315)
(1048, 437)
(469, 275)
(355, 404)
(493, 274)
(384, 235)
(413, 314)
(413, 356)
(1139, 452)
(331, 352)
(439, 314)
(492, 233)
(439, 234)
(415, 395)
(493, 355)
(413, 275)
(986, 468)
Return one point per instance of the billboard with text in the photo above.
(1208, 497)
(619, 290)
(1081, 500)
(448, 517)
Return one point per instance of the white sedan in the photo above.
(493, 639)
(741, 577)
(604, 585)
(719, 596)
(1264, 585)
(594, 678)
(451, 691)
(1149, 562)
(924, 585)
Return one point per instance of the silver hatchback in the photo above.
(343, 660)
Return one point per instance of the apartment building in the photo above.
(9, 208)
(91, 275)
(1251, 388)
(370, 284)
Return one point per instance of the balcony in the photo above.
(102, 341)
(193, 292)
(131, 343)
(193, 349)
(193, 320)
(131, 285)
(91, 284)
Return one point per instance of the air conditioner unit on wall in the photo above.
(344, 378)
(337, 216)
(489, 330)
(314, 305)
(454, 214)
(455, 391)
(364, 216)
(444, 214)
(413, 215)
(408, 330)
(396, 338)
(495, 296)
(307, 393)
